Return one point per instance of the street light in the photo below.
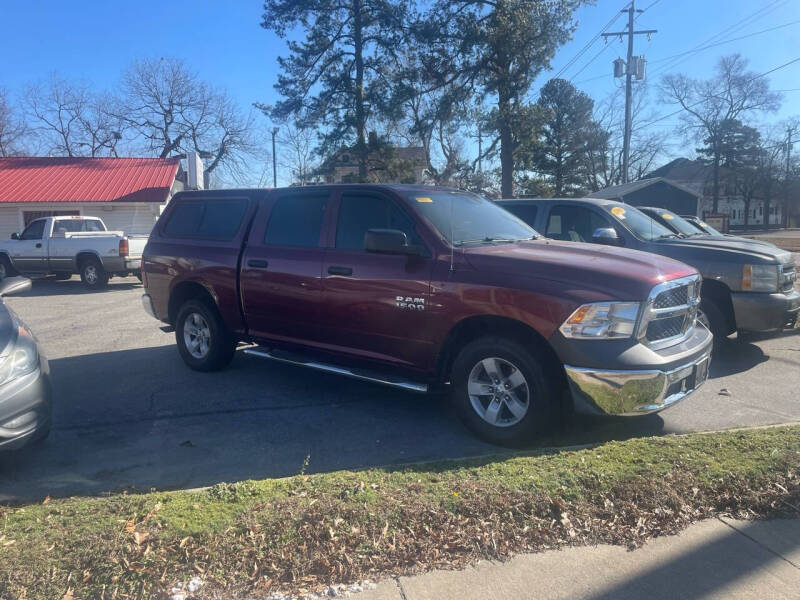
(274, 159)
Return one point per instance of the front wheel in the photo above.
(205, 344)
(712, 318)
(501, 392)
(93, 275)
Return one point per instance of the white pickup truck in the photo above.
(62, 246)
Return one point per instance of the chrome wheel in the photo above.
(196, 335)
(498, 392)
(90, 274)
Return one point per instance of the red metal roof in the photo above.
(40, 179)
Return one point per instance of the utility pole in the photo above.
(785, 211)
(274, 159)
(633, 66)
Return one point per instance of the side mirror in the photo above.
(14, 236)
(607, 236)
(14, 285)
(389, 241)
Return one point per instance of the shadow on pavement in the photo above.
(139, 419)
(719, 564)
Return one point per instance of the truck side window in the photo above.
(574, 223)
(212, 219)
(296, 220)
(34, 231)
(93, 225)
(360, 212)
(526, 212)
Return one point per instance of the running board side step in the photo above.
(363, 375)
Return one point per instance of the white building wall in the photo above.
(734, 207)
(133, 218)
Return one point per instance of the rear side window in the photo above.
(526, 212)
(213, 219)
(296, 220)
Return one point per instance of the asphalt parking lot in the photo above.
(129, 415)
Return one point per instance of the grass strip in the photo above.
(300, 533)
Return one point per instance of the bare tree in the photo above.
(174, 112)
(604, 155)
(71, 119)
(732, 93)
(297, 153)
(13, 129)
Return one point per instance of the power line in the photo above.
(607, 46)
(680, 110)
(588, 45)
(758, 14)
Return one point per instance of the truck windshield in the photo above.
(679, 224)
(639, 223)
(462, 218)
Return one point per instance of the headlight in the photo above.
(601, 320)
(760, 278)
(22, 359)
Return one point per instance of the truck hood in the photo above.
(724, 250)
(617, 273)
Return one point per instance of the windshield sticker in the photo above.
(668, 216)
(618, 211)
(424, 199)
(703, 224)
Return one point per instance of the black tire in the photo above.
(93, 275)
(63, 276)
(219, 343)
(6, 268)
(714, 319)
(543, 402)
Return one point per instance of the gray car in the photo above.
(747, 286)
(25, 390)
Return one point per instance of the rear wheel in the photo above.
(6, 269)
(501, 392)
(205, 344)
(93, 275)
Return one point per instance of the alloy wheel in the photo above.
(197, 335)
(498, 392)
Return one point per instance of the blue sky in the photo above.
(222, 40)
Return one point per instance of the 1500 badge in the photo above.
(410, 302)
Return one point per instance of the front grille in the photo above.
(670, 312)
(665, 328)
(673, 297)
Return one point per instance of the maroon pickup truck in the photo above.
(427, 288)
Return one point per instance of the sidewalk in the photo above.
(712, 559)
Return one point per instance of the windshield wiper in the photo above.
(486, 240)
(665, 236)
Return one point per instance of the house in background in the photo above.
(699, 177)
(656, 191)
(386, 163)
(127, 193)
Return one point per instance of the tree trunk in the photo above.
(506, 147)
(361, 120)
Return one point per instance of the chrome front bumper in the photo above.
(629, 393)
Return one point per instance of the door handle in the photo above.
(257, 264)
(39, 245)
(334, 270)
